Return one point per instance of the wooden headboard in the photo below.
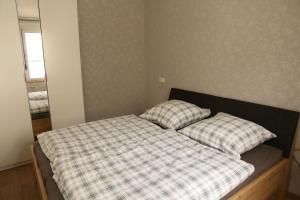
(282, 122)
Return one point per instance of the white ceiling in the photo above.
(28, 9)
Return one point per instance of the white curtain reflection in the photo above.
(34, 55)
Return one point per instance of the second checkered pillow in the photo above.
(175, 114)
(228, 133)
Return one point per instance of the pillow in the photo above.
(175, 114)
(228, 133)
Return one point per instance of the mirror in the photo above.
(34, 65)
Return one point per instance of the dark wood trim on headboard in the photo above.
(282, 122)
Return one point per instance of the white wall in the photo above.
(15, 123)
(59, 22)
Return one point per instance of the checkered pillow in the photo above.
(227, 133)
(175, 114)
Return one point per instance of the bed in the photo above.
(39, 110)
(271, 160)
(39, 106)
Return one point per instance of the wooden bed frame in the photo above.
(40, 182)
(273, 183)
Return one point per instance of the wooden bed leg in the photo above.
(283, 189)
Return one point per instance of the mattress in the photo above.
(262, 157)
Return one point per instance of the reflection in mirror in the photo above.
(35, 73)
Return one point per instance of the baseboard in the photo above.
(292, 196)
(15, 165)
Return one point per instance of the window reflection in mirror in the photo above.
(34, 65)
(34, 55)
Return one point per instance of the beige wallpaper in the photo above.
(248, 50)
(112, 55)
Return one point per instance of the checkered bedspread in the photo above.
(39, 95)
(38, 106)
(130, 158)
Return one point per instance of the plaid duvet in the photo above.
(130, 158)
(39, 106)
(40, 95)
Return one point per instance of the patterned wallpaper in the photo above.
(247, 50)
(112, 55)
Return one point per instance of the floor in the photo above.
(19, 183)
